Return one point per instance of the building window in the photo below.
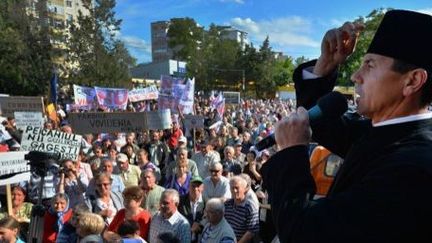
(69, 4)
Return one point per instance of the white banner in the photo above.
(44, 140)
(24, 119)
(11, 163)
(148, 93)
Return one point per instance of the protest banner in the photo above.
(10, 104)
(11, 163)
(193, 121)
(23, 119)
(44, 140)
(231, 97)
(187, 98)
(112, 98)
(148, 93)
(160, 119)
(107, 122)
(84, 97)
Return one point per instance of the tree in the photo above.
(283, 72)
(96, 57)
(25, 52)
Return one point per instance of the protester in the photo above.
(374, 197)
(57, 215)
(168, 219)
(133, 197)
(152, 191)
(21, 210)
(90, 227)
(217, 228)
(9, 230)
(105, 202)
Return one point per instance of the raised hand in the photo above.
(336, 47)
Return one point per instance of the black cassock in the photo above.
(382, 192)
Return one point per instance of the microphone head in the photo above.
(334, 104)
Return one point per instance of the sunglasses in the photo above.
(103, 184)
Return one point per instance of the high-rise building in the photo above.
(231, 33)
(159, 40)
(57, 15)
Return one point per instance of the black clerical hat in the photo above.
(405, 35)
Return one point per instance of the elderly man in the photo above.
(387, 153)
(169, 219)
(205, 157)
(152, 191)
(240, 213)
(216, 185)
(231, 166)
(192, 206)
(130, 174)
(217, 229)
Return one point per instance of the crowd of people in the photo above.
(212, 186)
(192, 186)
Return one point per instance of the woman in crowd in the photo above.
(251, 169)
(181, 178)
(73, 183)
(21, 210)
(105, 202)
(90, 227)
(57, 215)
(133, 197)
(9, 230)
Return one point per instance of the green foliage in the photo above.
(95, 56)
(25, 53)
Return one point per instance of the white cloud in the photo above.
(234, 1)
(283, 32)
(136, 43)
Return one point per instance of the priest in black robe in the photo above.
(383, 191)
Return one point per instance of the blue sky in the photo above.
(294, 27)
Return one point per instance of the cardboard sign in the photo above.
(13, 162)
(192, 121)
(44, 140)
(107, 122)
(231, 97)
(11, 104)
(24, 119)
(159, 119)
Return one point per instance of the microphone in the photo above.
(331, 105)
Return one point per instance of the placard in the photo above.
(11, 104)
(107, 122)
(24, 119)
(193, 121)
(13, 162)
(231, 97)
(160, 119)
(45, 140)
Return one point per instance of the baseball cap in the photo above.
(197, 179)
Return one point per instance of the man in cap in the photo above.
(205, 157)
(130, 174)
(387, 169)
(192, 206)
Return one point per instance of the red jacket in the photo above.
(50, 224)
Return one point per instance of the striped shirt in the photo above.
(242, 217)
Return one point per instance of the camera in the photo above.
(41, 162)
